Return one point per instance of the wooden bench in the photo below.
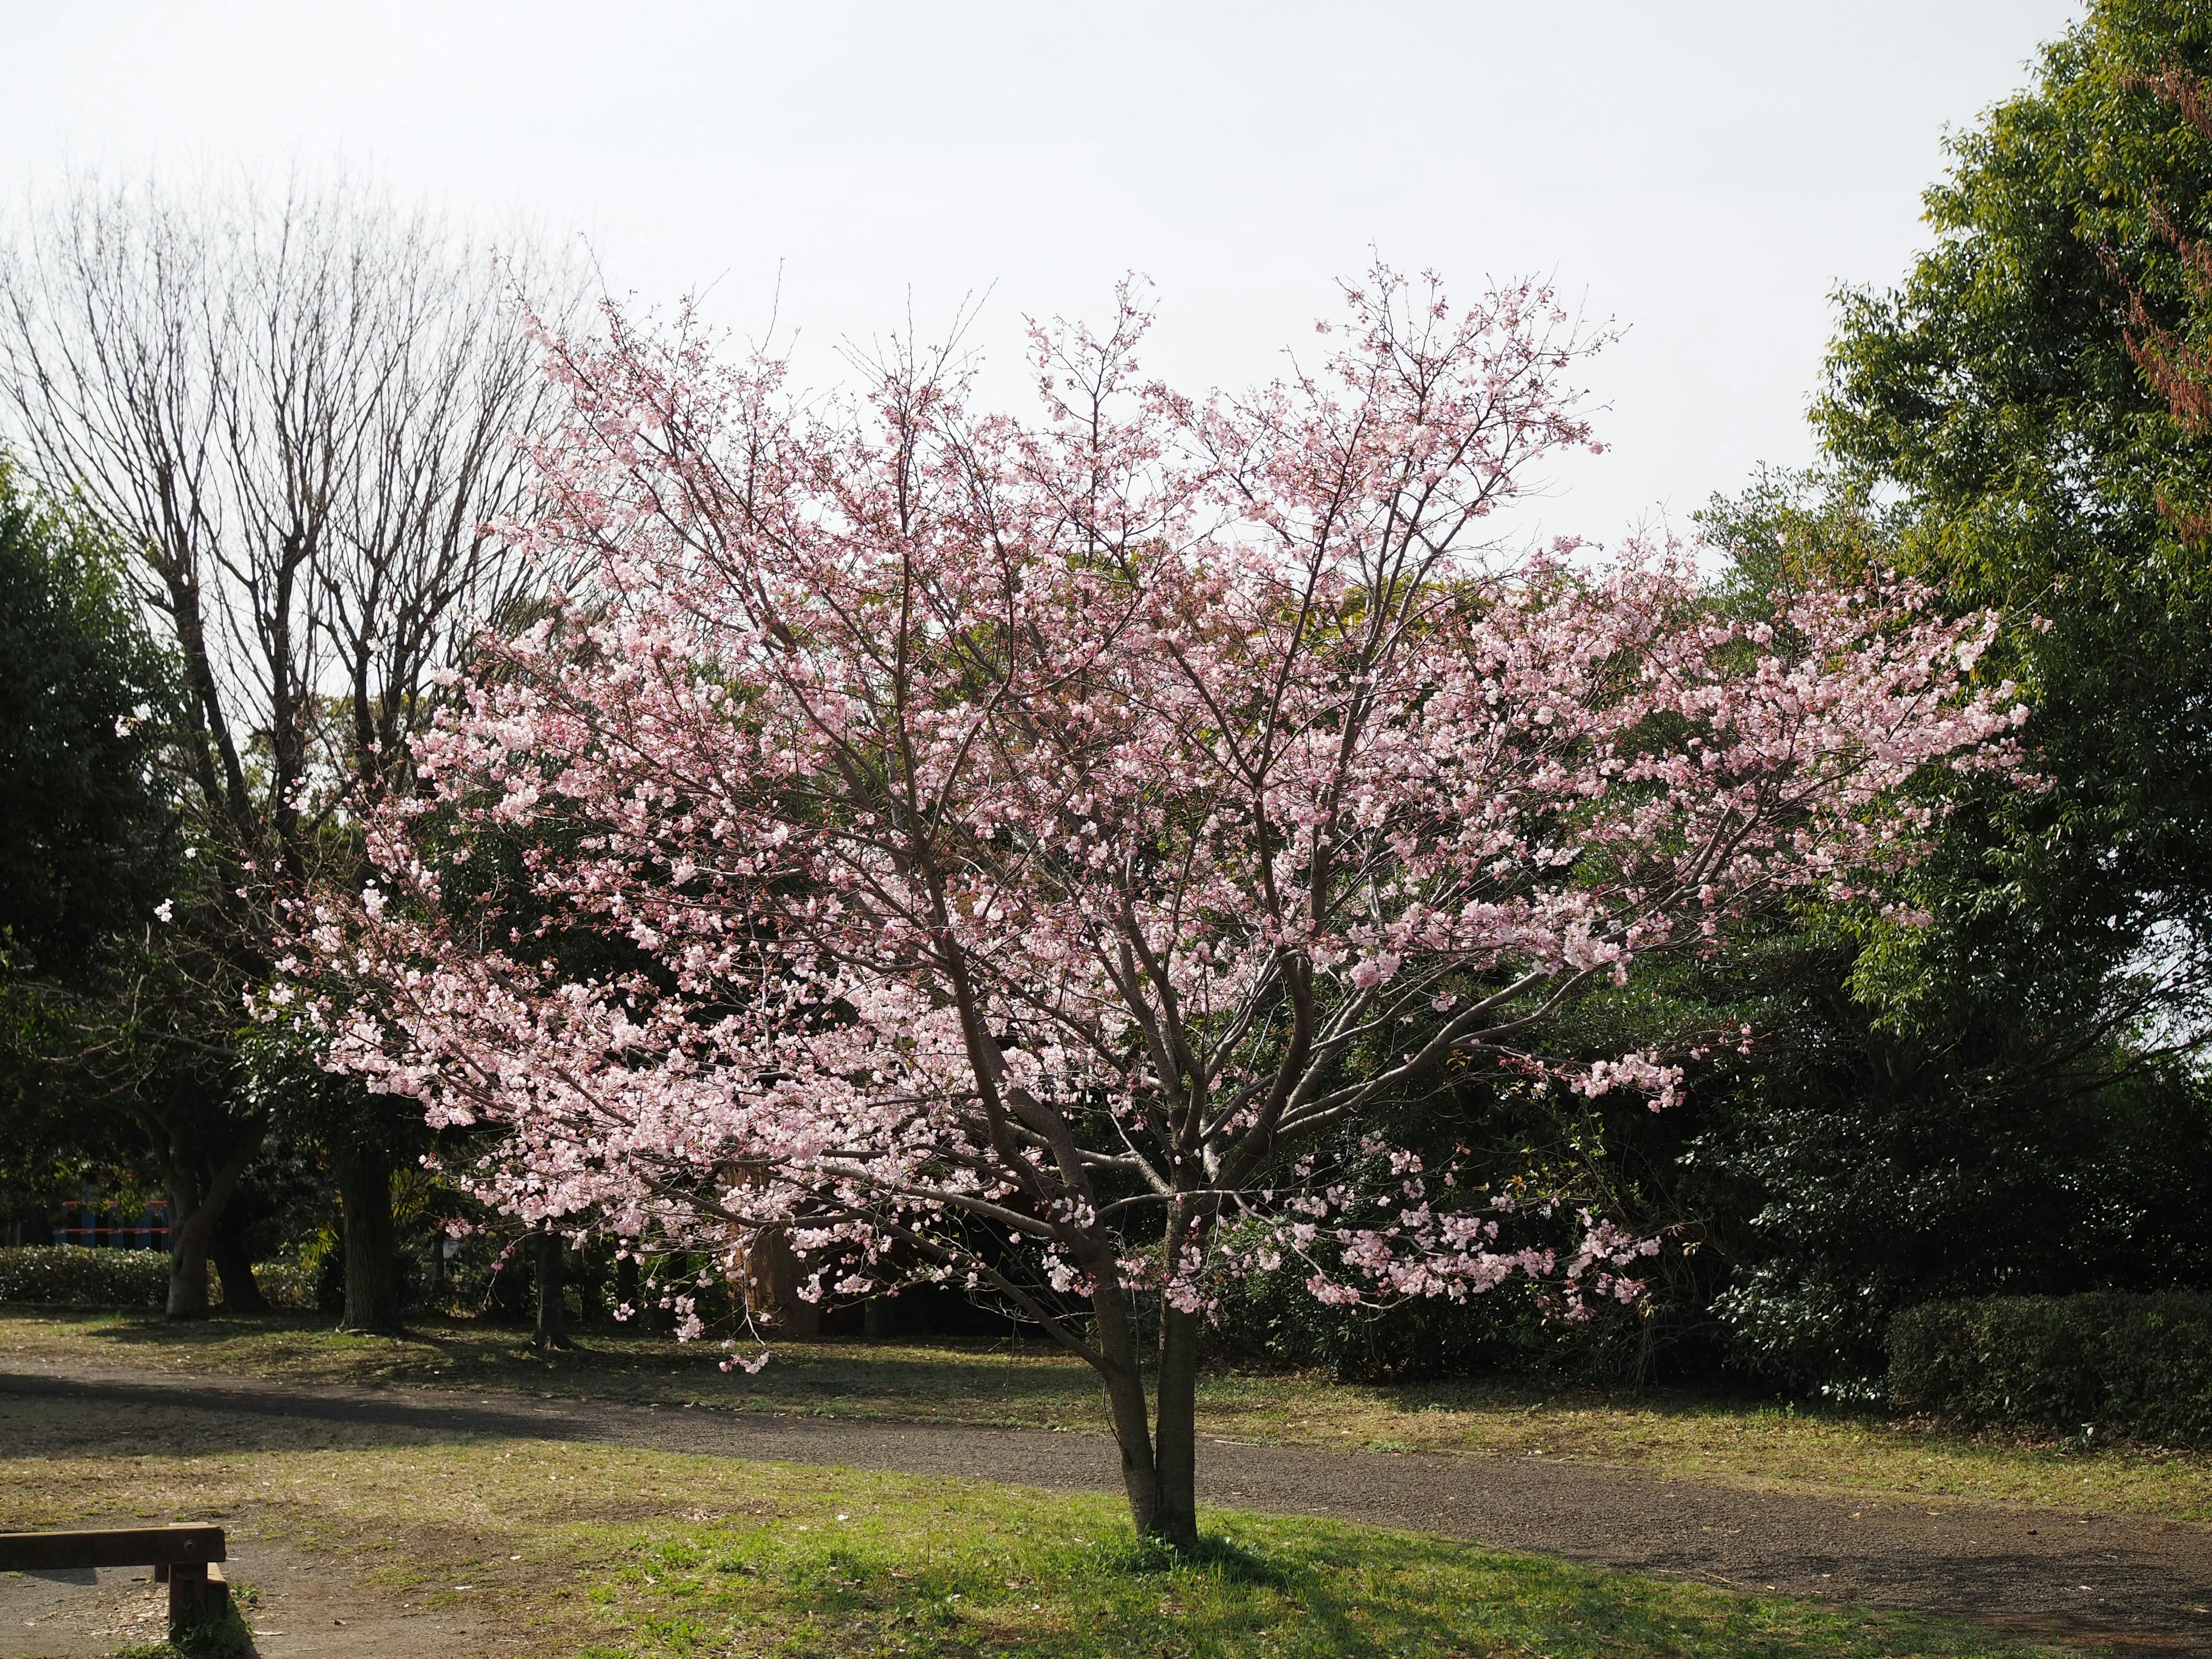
(187, 1559)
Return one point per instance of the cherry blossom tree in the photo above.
(1042, 847)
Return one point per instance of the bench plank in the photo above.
(110, 1546)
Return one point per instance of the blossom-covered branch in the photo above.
(1031, 839)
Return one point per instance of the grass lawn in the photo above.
(602, 1553)
(1680, 1436)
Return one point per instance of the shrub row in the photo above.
(71, 1276)
(2138, 1364)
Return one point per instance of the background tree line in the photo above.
(2012, 1098)
(260, 446)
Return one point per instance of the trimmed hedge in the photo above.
(2137, 1364)
(72, 1276)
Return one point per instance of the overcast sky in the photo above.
(1702, 173)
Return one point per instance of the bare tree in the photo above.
(302, 411)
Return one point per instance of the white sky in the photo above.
(1702, 172)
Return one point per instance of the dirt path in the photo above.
(2140, 1584)
(305, 1611)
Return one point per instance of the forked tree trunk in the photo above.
(372, 1288)
(1153, 1509)
(193, 1212)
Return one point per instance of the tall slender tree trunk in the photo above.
(439, 1296)
(552, 1317)
(506, 1297)
(592, 1257)
(372, 1286)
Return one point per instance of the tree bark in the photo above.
(193, 1212)
(770, 1276)
(233, 1264)
(1175, 1438)
(627, 1288)
(372, 1288)
(552, 1318)
(591, 1281)
(440, 1296)
(1123, 1376)
(504, 1297)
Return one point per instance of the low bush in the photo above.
(284, 1285)
(1272, 1316)
(71, 1276)
(2137, 1364)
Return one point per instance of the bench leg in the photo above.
(197, 1594)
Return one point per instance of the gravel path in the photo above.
(2140, 1584)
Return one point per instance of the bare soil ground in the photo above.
(2133, 1583)
(301, 1607)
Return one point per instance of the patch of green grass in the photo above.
(1676, 1435)
(226, 1637)
(954, 1571)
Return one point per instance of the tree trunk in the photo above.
(505, 1296)
(552, 1318)
(441, 1297)
(1125, 1395)
(372, 1288)
(770, 1277)
(1175, 1438)
(188, 1252)
(233, 1262)
(193, 1212)
(591, 1281)
(627, 1288)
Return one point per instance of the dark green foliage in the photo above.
(1272, 1317)
(1992, 1106)
(64, 1275)
(1844, 1168)
(2140, 1365)
(86, 846)
(2037, 467)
